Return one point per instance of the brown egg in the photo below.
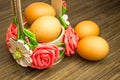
(87, 28)
(46, 28)
(93, 48)
(38, 9)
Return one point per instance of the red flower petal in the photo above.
(44, 56)
(70, 39)
(11, 33)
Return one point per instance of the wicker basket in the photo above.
(28, 52)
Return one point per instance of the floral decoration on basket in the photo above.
(28, 52)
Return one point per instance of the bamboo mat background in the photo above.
(104, 12)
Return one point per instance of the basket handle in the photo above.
(16, 9)
(57, 4)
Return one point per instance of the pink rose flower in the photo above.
(11, 33)
(64, 3)
(44, 56)
(70, 39)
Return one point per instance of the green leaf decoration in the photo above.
(22, 37)
(62, 21)
(15, 20)
(18, 33)
(33, 42)
(61, 45)
(63, 10)
(31, 46)
(61, 53)
(16, 23)
(30, 35)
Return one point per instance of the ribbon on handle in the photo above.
(13, 2)
(57, 4)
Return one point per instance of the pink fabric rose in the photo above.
(44, 56)
(11, 33)
(64, 3)
(70, 39)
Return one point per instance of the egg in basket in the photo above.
(44, 37)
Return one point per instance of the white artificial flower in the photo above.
(20, 52)
(65, 17)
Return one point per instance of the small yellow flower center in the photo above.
(18, 54)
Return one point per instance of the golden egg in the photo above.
(93, 48)
(38, 9)
(46, 28)
(87, 28)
